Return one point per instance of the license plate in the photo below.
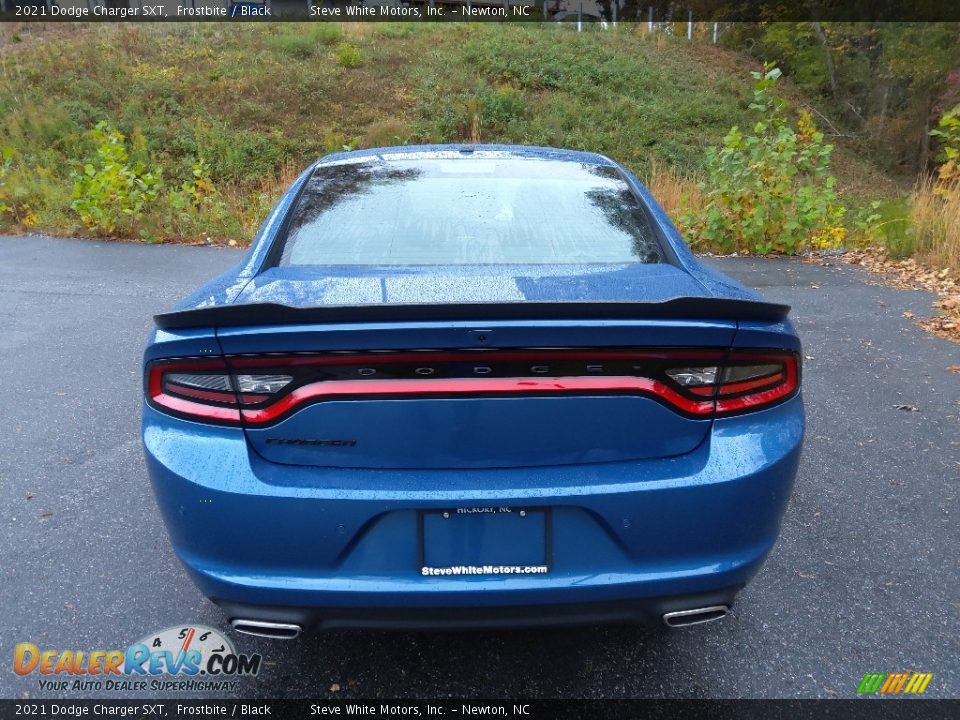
(485, 541)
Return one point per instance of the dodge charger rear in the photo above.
(471, 387)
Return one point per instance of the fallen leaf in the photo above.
(908, 314)
(908, 408)
(952, 368)
(911, 275)
(335, 687)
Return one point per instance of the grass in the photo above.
(673, 190)
(935, 216)
(894, 228)
(257, 102)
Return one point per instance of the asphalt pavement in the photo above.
(864, 578)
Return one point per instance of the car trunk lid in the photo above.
(497, 368)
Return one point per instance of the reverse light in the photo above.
(693, 377)
(262, 383)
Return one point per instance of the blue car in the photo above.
(455, 386)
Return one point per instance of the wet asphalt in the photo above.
(864, 577)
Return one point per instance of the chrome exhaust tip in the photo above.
(696, 616)
(262, 628)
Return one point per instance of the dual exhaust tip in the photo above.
(695, 616)
(288, 631)
(262, 628)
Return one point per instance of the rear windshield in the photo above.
(468, 211)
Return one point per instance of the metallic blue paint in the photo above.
(316, 537)
(279, 538)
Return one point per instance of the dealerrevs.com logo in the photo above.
(186, 658)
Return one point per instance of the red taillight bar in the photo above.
(699, 401)
(474, 386)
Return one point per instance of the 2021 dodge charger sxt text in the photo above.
(457, 386)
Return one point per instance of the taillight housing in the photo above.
(206, 389)
(263, 389)
(744, 380)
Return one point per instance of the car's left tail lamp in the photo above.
(205, 389)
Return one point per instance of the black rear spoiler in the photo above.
(686, 308)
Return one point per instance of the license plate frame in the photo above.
(463, 516)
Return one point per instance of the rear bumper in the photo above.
(645, 611)
(331, 548)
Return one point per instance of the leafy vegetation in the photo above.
(192, 130)
(948, 131)
(255, 104)
(348, 55)
(113, 194)
(883, 84)
(770, 190)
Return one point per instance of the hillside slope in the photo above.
(258, 102)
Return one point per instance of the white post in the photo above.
(690, 25)
(650, 19)
(580, 17)
(715, 33)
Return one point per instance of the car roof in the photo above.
(466, 151)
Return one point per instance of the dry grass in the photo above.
(672, 190)
(250, 205)
(935, 212)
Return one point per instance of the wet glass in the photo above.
(468, 211)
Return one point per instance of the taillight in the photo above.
(745, 380)
(205, 389)
(753, 379)
(263, 389)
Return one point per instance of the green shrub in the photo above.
(348, 55)
(193, 208)
(394, 30)
(35, 196)
(504, 105)
(338, 142)
(301, 43)
(770, 191)
(114, 193)
(890, 224)
(296, 46)
(326, 33)
(948, 132)
(239, 154)
(7, 157)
